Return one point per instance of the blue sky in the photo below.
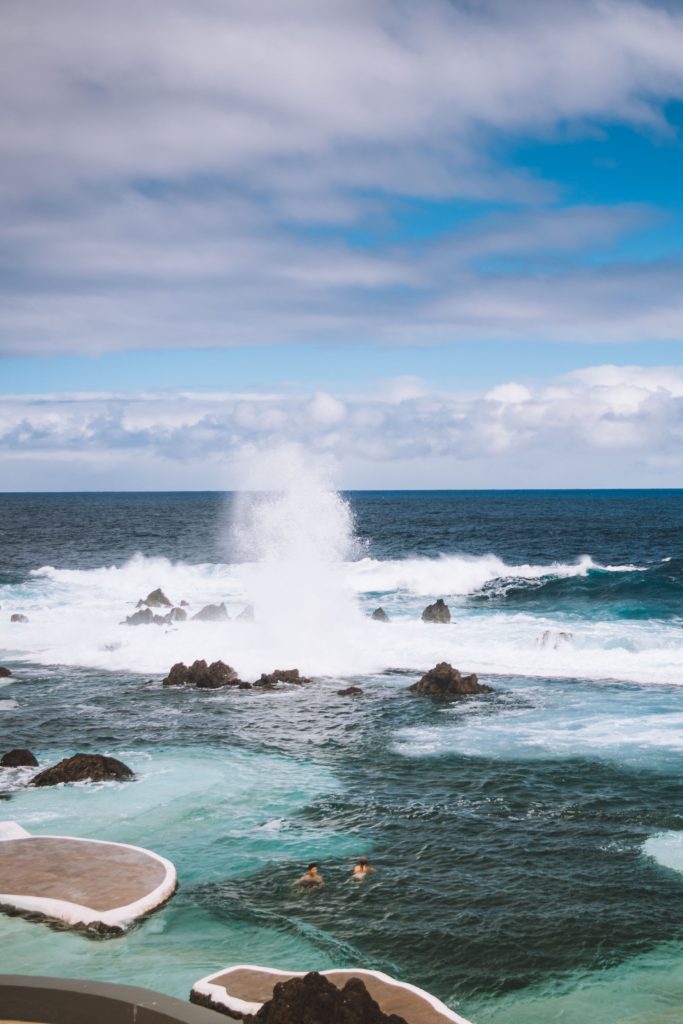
(439, 244)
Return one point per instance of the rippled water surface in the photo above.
(527, 843)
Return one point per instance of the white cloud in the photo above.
(326, 409)
(174, 174)
(597, 420)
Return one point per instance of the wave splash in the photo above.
(300, 565)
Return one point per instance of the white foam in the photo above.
(667, 849)
(460, 575)
(311, 600)
(551, 725)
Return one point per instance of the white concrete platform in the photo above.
(244, 988)
(84, 883)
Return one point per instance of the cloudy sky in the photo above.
(439, 242)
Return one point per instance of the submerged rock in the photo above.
(203, 676)
(19, 758)
(17, 617)
(446, 681)
(379, 615)
(82, 767)
(549, 638)
(315, 1000)
(437, 612)
(156, 599)
(4, 672)
(350, 691)
(280, 675)
(211, 613)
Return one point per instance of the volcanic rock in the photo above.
(93, 767)
(177, 675)
(350, 691)
(437, 612)
(201, 675)
(142, 618)
(280, 675)
(4, 672)
(20, 758)
(446, 681)
(315, 1000)
(379, 615)
(18, 618)
(211, 613)
(157, 599)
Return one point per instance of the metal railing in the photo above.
(72, 1001)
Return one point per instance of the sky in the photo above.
(438, 244)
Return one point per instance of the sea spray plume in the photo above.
(294, 539)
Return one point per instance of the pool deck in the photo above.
(243, 989)
(85, 883)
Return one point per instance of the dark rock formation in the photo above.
(437, 612)
(211, 613)
(94, 767)
(379, 615)
(176, 615)
(446, 681)
(20, 758)
(315, 1000)
(142, 618)
(201, 675)
(18, 618)
(156, 599)
(350, 691)
(247, 614)
(4, 672)
(177, 676)
(184, 604)
(280, 675)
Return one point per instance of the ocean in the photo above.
(528, 844)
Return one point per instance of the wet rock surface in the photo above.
(19, 758)
(142, 618)
(379, 615)
(281, 675)
(4, 672)
(315, 1000)
(203, 676)
(445, 681)
(18, 617)
(81, 768)
(155, 599)
(437, 612)
(351, 691)
(211, 613)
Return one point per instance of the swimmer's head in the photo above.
(312, 868)
(363, 861)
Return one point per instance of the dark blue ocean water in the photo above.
(528, 844)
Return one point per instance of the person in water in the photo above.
(311, 879)
(362, 868)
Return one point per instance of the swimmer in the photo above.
(362, 868)
(311, 879)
